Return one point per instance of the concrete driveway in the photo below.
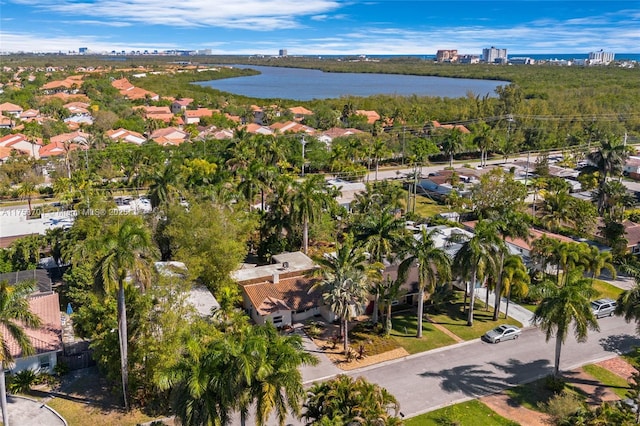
(28, 412)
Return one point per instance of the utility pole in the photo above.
(304, 143)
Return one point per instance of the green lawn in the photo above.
(471, 413)
(425, 206)
(614, 382)
(607, 290)
(455, 319)
(404, 333)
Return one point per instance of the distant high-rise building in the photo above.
(282, 52)
(83, 50)
(493, 55)
(447, 55)
(601, 57)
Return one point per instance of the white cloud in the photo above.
(257, 15)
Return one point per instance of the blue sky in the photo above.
(320, 27)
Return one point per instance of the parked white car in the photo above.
(502, 332)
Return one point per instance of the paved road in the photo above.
(427, 381)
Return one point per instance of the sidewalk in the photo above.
(516, 311)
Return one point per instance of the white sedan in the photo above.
(502, 332)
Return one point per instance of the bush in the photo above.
(60, 369)
(554, 384)
(22, 381)
(562, 406)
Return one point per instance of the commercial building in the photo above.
(601, 57)
(447, 55)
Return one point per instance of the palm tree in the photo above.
(380, 233)
(484, 141)
(515, 279)
(309, 198)
(343, 284)
(566, 305)
(609, 160)
(127, 249)
(379, 150)
(629, 304)
(345, 400)
(511, 224)
(27, 190)
(597, 260)
(479, 257)
(433, 265)
(163, 187)
(452, 143)
(277, 381)
(14, 316)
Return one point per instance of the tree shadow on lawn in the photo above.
(476, 380)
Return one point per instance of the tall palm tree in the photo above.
(127, 251)
(27, 190)
(343, 284)
(609, 161)
(452, 143)
(597, 260)
(163, 187)
(309, 198)
(563, 307)
(479, 257)
(484, 140)
(381, 234)
(433, 264)
(629, 304)
(15, 315)
(515, 279)
(277, 381)
(511, 224)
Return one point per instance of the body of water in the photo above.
(305, 84)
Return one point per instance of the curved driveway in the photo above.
(28, 412)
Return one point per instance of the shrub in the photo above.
(22, 381)
(562, 406)
(554, 384)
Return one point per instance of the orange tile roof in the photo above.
(299, 110)
(9, 107)
(372, 116)
(288, 294)
(46, 338)
(200, 112)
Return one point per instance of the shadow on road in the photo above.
(474, 380)
(619, 344)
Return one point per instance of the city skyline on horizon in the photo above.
(320, 27)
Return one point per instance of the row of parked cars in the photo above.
(600, 308)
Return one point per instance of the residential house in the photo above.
(460, 127)
(348, 190)
(21, 144)
(632, 235)
(193, 116)
(336, 132)
(132, 92)
(30, 115)
(46, 339)
(126, 136)
(632, 167)
(372, 116)
(292, 127)
(299, 113)
(70, 85)
(199, 296)
(78, 136)
(5, 122)
(9, 109)
(280, 292)
(180, 105)
(169, 136)
(258, 129)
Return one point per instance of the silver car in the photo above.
(603, 307)
(502, 332)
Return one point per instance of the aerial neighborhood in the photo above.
(207, 258)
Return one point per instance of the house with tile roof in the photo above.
(69, 85)
(632, 235)
(460, 127)
(193, 116)
(21, 144)
(337, 132)
(300, 112)
(292, 127)
(280, 292)
(258, 129)
(77, 137)
(372, 116)
(46, 339)
(9, 109)
(126, 136)
(169, 136)
(132, 92)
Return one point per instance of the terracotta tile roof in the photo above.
(46, 338)
(73, 136)
(337, 132)
(372, 116)
(299, 110)
(126, 135)
(460, 127)
(9, 107)
(288, 294)
(183, 102)
(534, 234)
(200, 112)
(293, 127)
(258, 129)
(631, 233)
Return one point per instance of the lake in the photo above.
(305, 85)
